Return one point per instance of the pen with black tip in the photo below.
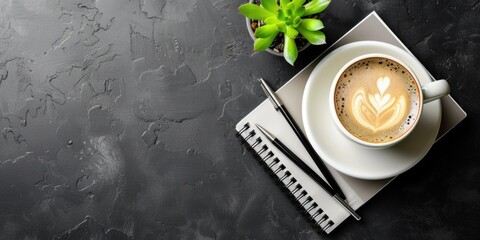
(297, 161)
(278, 105)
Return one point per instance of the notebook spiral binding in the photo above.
(284, 178)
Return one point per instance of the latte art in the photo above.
(377, 99)
(378, 111)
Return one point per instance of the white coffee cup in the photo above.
(429, 92)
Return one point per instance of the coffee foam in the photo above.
(377, 100)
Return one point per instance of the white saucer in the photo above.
(342, 153)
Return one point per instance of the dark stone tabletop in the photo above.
(117, 122)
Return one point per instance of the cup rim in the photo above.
(339, 124)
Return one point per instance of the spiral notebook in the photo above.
(321, 209)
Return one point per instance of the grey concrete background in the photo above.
(117, 121)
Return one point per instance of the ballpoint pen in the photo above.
(278, 105)
(297, 161)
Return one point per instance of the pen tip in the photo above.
(265, 132)
(260, 128)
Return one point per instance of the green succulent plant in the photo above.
(291, 17)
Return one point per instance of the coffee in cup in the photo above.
(377, 100)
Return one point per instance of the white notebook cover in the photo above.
(357, 191)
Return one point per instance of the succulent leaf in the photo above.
(291, 6)
(291, 32)
(312, 24)
(284, 3)
(289, 12)
(315, 6)
(263, 43)
(253, 11)
(282, 27)
(281, 16)
(296, 22)
(299, 3)
(266, 31)
(290, 51)
(272, 20)
(299, 12)
(270, 5)
(314, 37)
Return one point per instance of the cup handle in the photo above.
(435, 90)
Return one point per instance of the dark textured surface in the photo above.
(117, 122)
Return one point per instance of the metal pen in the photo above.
(278, 105)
